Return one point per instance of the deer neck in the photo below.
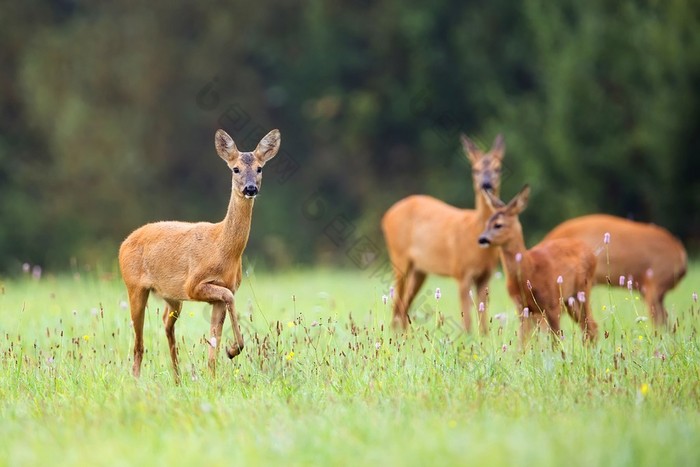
(236, 224)
(514, 254)
(483, 210)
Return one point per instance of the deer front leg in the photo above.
(465, 287)
(218, 316)
(170, 315)
(237, 346)
(482, 293)
(212, 293)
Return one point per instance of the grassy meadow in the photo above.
(323, 380)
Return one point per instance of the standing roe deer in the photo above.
(425, 235)
(646, 254)
(196, 261)
(550, 275)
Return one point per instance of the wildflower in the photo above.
(482, 307)
(607, 370)
(314, 323)
(212, 342)
(504, 348)
(622, 281)
(606, 238)
(640, 319)
(644, 389)
(629, 285)
(26, 268)
(289, 356)
(640, 338)
(571, 301)
(437, 294)
(518, 257)
(377, 345)
(191, 314)
(560, 280)
(618, 350)
(529, 285)
(36, 272)
(49, 360)
(581, 296)
(123, 305)
(526, 312)
(291, 324)
(391, 292)
(86, 337)
(384, 298)
(695, 297)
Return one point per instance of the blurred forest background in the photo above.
(108, 112)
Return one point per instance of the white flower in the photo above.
(377, 345)
(622, 281)
(695, 297)
(629, 284)
(437, 294)
(212, 342)
(560, 280)
(526, 312)
(606, 238)
(571, 301)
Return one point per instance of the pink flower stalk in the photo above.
(529, 285)
(622, 281)
(695, 297)
(384, 298)
(571, 301)
(437, 294)
(629, 285)
(560, 280)
(606, 238)
(391, 292)
(526, 312)
(482, 307)
(518, 257)
(581, 296)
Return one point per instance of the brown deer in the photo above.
(426, 236)
(550, 276)
(647, 256)
(196, 261)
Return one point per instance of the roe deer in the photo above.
(196, 261)
(551, 275)
(426, 236)
(647, 255)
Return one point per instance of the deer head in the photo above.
(246, 167)
(503, 223)
(486, 167)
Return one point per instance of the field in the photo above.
(323, 380)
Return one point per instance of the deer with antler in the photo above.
(426, 236)
(546, 279)
(200, 261)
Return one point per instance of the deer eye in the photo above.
(497, 226)
(236, 170)
(259, 170)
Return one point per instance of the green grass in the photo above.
(323, 380)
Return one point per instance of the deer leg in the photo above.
(525, 331)
(465, 287)
(654, 299)
(170, 316)
(237, 346)
(588, 324)
(218, 316)
(482, 293)
(138, 298)
(414, 281)
(400, 315)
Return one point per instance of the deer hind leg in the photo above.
(138, 297)
(465, 287)
(414, 281)
(218, 317)
(400, 315)
(212, 293)
(170, 316)
(655, 301)
(482, 293)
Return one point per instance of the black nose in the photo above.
(250, 190)
(484, 241)
(487, 186)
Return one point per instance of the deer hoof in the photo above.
(234, 350)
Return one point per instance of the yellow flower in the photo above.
(619, 350)
(475, 357)
(640, 338)
(291, 324)
(607, 370)
(644, 389)
(86, 337)
(290, 355)
(191, 314)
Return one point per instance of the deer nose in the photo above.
(487, 185)
(484, 242)
(250, 190)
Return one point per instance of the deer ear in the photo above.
(519, 202)
(493, 201)
(498, 148)
(472, 152)
(268, 146)
(225, 147)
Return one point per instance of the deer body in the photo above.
(549, 277)
(426, 236)
(648, 255)
(200, 261)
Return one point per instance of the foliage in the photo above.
(108, 112)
